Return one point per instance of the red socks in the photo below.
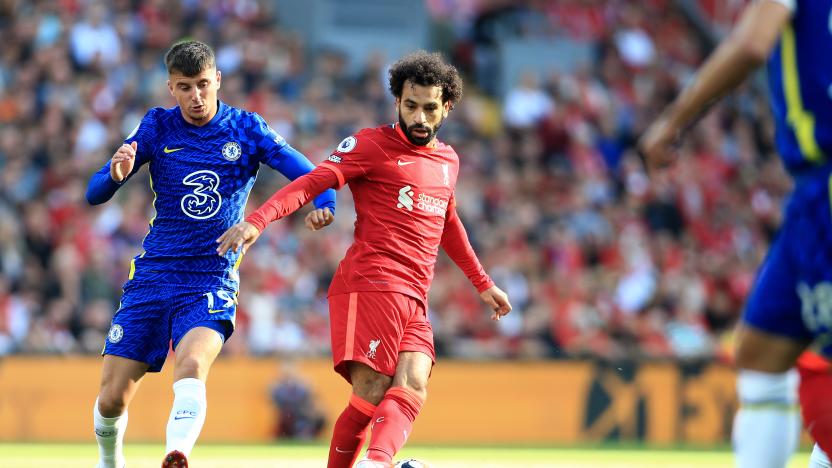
(349, 433)
(392, 423)
(815, 403)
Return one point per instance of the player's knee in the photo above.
(189, 366)
(111, 403)
(762, 352)
(371, 386)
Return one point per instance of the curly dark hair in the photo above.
(189, 58)
(426, 69)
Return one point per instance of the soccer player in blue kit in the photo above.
(790, 306)
(203, 157)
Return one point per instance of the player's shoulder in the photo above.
(155, 114)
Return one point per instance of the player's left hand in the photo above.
(657, 144)
(238, 237)
(318, 219)
(497, 300)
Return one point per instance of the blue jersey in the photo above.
(201, 178)
(800, 83)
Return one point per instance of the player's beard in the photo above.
(419, 141)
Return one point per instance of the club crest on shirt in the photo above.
(371, 354)
(231, 151)
(115, 334)
(347, 144)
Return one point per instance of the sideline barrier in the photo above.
(541, 402)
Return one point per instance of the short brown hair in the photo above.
(189, 58)
(426, 69)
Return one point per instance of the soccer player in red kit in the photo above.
(402, 180)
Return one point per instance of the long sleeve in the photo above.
(293, 164)
(456, 244)
(291, 197)
(101, 186)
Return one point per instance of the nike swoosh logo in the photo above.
(177, 418)
(171, 150)
(343, 451)
(214, 311)
(404, 163)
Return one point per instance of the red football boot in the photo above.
(175, 459)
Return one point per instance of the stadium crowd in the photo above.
(598, 259)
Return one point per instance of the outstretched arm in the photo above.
(747, 47)
(293, 164)
(286, 201)
(104, 183)
(456, 244)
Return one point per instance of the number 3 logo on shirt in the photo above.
(205, 201)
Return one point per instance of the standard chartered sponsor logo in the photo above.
(424, 202)
(432, 204)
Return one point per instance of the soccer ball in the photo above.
(411, 464)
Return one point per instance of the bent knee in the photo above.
(765, 352)
(111, 403)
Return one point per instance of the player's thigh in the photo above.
(367, 327)
(775, 327)
(203, 319)
(140, 329)
(120, 379)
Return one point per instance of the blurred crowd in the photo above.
(599, 260)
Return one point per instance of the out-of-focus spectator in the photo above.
(298, 415)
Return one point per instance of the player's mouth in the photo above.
(198, 109)
(420, 132)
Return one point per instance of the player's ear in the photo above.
(446, 107)
(219, 79)
(170, 88)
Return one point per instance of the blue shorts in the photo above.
(152, 316)
(792, 295)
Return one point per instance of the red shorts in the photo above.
(374, 327)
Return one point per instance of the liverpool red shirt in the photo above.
(404, 202)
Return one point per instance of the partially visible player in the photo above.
(790, 303)
(403, 181)
(203, 157)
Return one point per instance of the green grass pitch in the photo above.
(314, 456)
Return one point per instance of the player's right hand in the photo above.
(121, 165)
(238, 237)
(657, 144)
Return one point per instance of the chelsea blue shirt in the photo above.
(800, 83)
(201, 177)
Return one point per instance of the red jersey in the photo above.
(404, 202)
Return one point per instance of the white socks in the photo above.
(819, 459)
(187, 415)
(767, 426)
(109, 433)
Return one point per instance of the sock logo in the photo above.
(343, 451)
(371, 354)
(184, 414)
(105, 432)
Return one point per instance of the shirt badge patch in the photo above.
(347, 144)
(231, 151)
